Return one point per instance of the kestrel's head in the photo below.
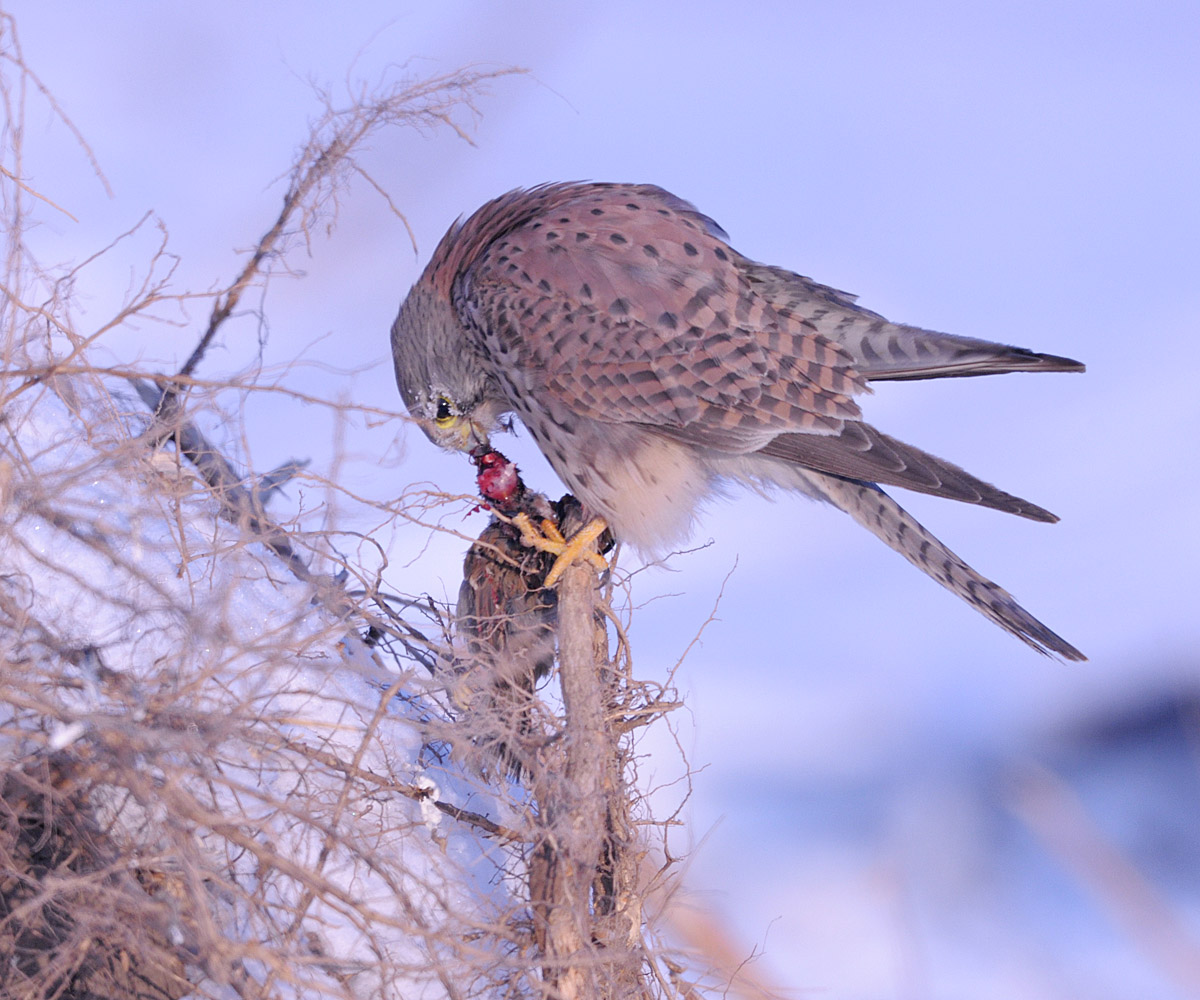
(446, 389)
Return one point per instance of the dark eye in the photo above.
(445, 411)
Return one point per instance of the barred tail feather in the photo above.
(880, 514)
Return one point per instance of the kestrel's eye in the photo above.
(445, 412)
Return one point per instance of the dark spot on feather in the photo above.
(552, 235)
(597, 211)
(582, 237)
(649, 250)
(721, 254)
(544, 285)
(618, 239)
(619, 307)
(632, 206)
(690, 250)
(669, 320)
(585, 290)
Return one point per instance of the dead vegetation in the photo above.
(237, 761)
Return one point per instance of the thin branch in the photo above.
(330, 155)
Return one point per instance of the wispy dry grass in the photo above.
(237, 762)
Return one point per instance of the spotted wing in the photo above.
(626, 306)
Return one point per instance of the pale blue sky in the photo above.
(1024, 172)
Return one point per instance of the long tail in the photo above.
(885, 350)
(880, 514)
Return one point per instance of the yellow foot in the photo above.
(550, 539)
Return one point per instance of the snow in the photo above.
(1023, 174)
(228, 705)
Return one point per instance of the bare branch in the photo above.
(328, 159)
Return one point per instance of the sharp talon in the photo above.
(550, 539)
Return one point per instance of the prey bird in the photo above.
(506, 619)
(653, 363)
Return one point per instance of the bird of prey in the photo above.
(653, 363)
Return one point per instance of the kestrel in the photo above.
(653, 364)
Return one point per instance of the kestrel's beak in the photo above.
(472, 435)
(459, 433)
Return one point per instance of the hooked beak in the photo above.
(472, 436)
(462, 434)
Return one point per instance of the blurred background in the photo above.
(891, 797)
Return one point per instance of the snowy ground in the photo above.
(893, 799)
(250, 749)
